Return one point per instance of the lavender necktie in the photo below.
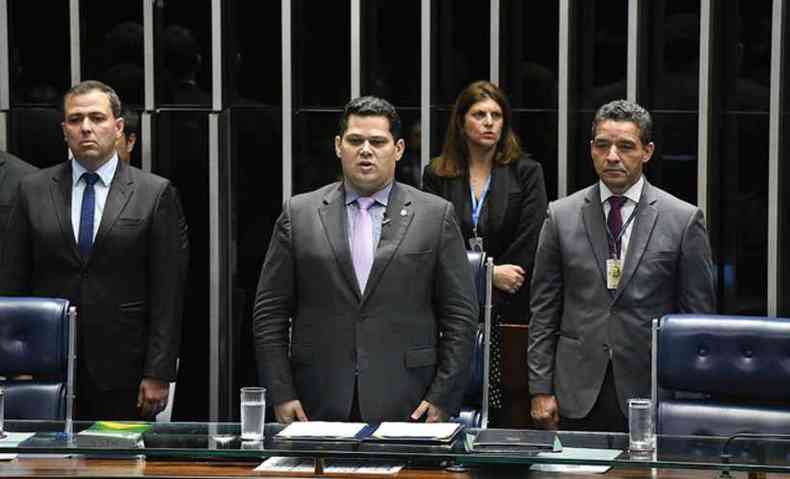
(362, 241)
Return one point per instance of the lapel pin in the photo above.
(403, 212)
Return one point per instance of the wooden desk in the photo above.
(119, 468)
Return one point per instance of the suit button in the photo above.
(606, 347)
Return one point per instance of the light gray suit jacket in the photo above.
(578, 325)
(388, 339)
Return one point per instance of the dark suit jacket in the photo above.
(129, 290)
(578, 325)
(408, 338)
(12, 169)
(509, 223)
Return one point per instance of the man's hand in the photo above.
(508, 277)
(289, 411)
(435, 413)
(152, 397)
(545, 411)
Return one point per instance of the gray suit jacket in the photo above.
(407, 338)
(12, 169)
(578, 324)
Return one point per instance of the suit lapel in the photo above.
(640, 236)
(498, 194)
(121, 189)
(398, 218)
(333, 218)
(60, 194)
(2, 171)
(592, 214)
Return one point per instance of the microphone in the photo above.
(726, 456)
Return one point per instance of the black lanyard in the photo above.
(610, 237)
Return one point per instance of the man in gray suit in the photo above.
(371, 278)
(610, 258)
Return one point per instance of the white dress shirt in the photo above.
(632, 196)
(106, 173)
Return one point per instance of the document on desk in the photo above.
(300, 465)
(437, 431)
(322, 430)
(577, 453)
(13, 439)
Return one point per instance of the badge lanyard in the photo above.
(476, 242)
(612, 240)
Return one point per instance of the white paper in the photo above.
(280, 464)
(12, 439)
(578, 453)
(321, 429)
(432, 430)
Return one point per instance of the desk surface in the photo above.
(120, 468)
(186, 444)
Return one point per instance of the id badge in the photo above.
(476, 244)
(614, 271)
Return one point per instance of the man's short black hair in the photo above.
(90, 86)
(624, 110)
(131, 121)
(371, 106)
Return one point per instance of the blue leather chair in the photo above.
(721, 375)
(474, 408)
(35, 338)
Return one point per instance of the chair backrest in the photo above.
(721, 375)
(34, 340)
(473, 407)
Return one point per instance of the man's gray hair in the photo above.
(624, 110)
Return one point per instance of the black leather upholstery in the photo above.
(720, 375)
(34, 340)
(472, 405)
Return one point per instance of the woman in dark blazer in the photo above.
(500, 198)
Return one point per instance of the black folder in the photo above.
(516, 440)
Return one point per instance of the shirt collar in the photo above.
(633, 193)
(381, 196)
(106, 171)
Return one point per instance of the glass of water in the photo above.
(253, 413)
(641, 433)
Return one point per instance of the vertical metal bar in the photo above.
(3, 131)
(147, 140)
(774, 159)
(488, 306)
(74, 41)
(654, 371)
(71, 372)
(5, 55)
(703, 133)
(425, 83)
(148, 59)
(287, 100)
(356, 49)
(214, 267)
(216, 55)
(632, 77)
(563, 106)
(494, 42)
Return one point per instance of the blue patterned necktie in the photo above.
(86, 215)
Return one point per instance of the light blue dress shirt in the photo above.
(106, 173)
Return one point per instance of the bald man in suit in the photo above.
(610, 258)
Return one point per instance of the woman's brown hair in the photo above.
(455, 153)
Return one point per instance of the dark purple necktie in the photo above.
(615, 223)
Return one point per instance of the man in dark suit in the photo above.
(610, 258)
(12, 169)
(371, 277)
(112, 240)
